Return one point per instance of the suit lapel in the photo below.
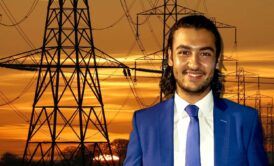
(221, 132)
(166, 121)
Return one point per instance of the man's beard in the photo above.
(199, 89)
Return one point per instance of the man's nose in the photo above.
(193, 61)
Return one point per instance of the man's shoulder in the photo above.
(155, 109)
(236, 108)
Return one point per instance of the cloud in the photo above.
(120, 127)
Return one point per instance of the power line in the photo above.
(25, 89)
(115, 22)
(13, 108)
(128, 8)
(133, 27)
(29, 12)
(17, 27)
(138, 99)
(153, 5)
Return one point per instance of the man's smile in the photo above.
(194, 74)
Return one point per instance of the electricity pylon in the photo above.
(68, 109)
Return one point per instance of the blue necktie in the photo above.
(193, 137)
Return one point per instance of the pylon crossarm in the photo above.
(17, 58)
(220, 24)
(110, 59)
(182, 10)
(151, 11)
(30, 62)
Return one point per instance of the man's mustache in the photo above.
(197, 71)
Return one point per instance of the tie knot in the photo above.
(192, 110)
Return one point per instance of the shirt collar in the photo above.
(205, 104)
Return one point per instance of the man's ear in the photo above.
(219, 63)
(170, 57)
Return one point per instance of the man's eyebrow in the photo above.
(207, 48)
(181, 46)
(189, 48)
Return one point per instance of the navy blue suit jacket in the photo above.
(238, 137)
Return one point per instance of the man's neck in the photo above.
(192, 97)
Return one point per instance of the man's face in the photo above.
(193, 58)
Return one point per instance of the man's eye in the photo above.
(206, 54)
(184, 52)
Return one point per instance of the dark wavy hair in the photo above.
(167, 82)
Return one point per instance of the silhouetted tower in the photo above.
(241, 86)
(68, 108)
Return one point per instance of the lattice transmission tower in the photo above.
(68, 109)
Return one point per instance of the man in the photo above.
(194, 126)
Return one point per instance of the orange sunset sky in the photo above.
(255, 51)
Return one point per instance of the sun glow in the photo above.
(106, 157)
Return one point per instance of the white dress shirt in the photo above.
(181, 121)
